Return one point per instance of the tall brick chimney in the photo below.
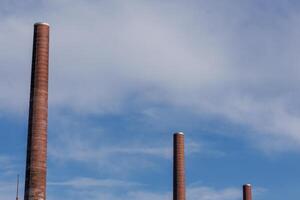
(178, 167)
(36, 162)
(247, 193)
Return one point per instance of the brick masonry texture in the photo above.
(247, 193)
(36, 162)
(178, 167)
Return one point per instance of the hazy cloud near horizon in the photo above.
(193, 193)
(237, 62)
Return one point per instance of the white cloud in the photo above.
(236, 62)
(74, 146)
(207, 193)
(84, 182)
(8, 176)
(194, 193)
(7, 190)
(7, 165)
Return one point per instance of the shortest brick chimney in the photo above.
(247, 192)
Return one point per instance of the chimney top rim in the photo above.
(41, 23)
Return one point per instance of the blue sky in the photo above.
(125, 75)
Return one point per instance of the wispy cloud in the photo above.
(84, 182)
(205, 193)
(217, 61)
(7, 190)
(81, 149)
(7, 165)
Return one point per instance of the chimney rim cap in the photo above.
(247, 184)
(179, 133)
(41, 23)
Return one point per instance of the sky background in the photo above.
(125, 75)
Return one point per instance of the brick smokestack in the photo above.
(178, 167)
(247, 193)
(36, 162)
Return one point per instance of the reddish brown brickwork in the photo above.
(36, 162)
(178, 167)
(247, 193)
